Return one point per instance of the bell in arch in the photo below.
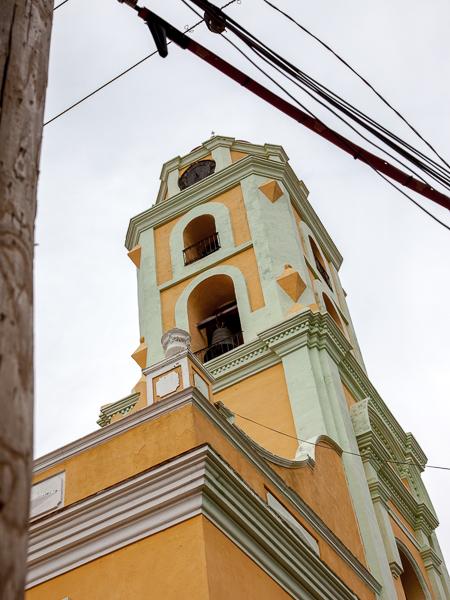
(221, 335)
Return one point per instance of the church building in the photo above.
(254, 459)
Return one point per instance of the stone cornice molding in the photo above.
(431, 559)
(377, 446)
(225, 179)
(306, 328)
(236, 437)
(305, 455)
(207, 263)
(122, 407)
(198, 482)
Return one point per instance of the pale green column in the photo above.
(341, 430)
(149, 302)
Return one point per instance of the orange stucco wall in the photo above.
(348, 396)
(237, 155)
(192, 560)
(150, 443)
(245, 261)
(232, 574)
(400, 535)
(168, 565)
(335, 506)
(264, 398)
(233, 200)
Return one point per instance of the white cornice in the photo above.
(236, 437)
(198, 482)
(222, 181)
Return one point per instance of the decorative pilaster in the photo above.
(178, 371)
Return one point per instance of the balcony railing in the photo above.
(324, 274)
(215, 350)
(201, 249)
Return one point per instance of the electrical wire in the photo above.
(395, 462)
(433, 169)
(60, 4)
(337, 115)
(122, 73)
(361, 77)
(412, 200)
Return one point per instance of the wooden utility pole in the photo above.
(25, 27)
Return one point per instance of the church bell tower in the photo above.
(254, 458)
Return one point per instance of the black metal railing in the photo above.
(324, 274)
(201, 249)
(215, 350)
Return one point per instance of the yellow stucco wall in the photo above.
(335, 506)
(264, 398)
(232, 199)
(156, 441)
(168, 565)
(193, 560)
(237, 155)
(232, 575)
(348, 396)
(245, 261)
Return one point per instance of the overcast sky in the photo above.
(101, 163)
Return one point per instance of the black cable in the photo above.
(263, 50)
(412, 200)
(66, 110)
(338, 116)
(256, 45)
(312, 114)
(60, 4)
(363, 79)
(395, 462)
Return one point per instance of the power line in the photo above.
(309, 94)
(361, 77)
(334, 113)
(122, 73)
(396, 462)
(433, 169)
(413, 201)
(161, 30)
(60, 4)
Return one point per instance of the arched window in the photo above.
(412, 587)
(332, 311)
(214, 321)
(200, 238)
(320, 263)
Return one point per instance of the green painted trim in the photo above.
(122, 406)
(250, 321)
(222, 181)
(200, 266)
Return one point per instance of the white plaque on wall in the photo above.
(167, 384)
(47, 495)
(201, 384)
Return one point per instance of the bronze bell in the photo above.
(221, 335)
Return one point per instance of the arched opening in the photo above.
(332, 312)
(214, 321)
(200, 238)
(320, 263)
(410, 582)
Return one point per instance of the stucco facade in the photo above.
(268, 467)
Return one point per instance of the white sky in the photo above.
(101, 163)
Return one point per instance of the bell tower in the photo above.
(233, 253)
(254, 458)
